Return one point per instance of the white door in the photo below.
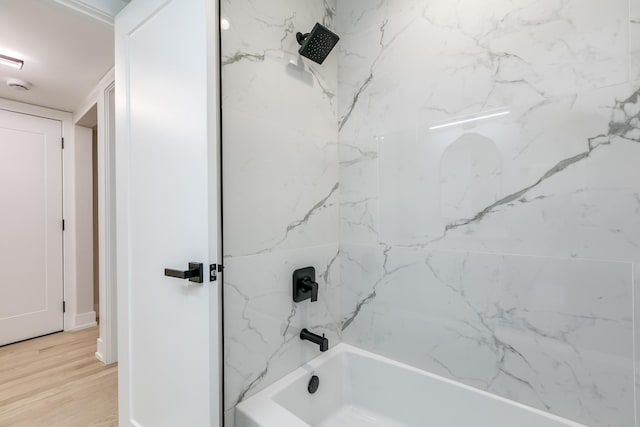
(167, 212)
(31, 287)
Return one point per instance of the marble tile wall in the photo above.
(537, 330)
(280, 178)
(634, 38)
(498, 252)
(636, 330)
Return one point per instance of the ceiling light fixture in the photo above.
(11, 62)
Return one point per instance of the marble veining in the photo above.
(624, 124)
(498, 252)
(539, 50)
(262, 324)
(385, 41)
(501, 253)
(554, 334)
(280, 128)
(634, 39)
(280, 204)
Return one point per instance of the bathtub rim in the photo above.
(262, 408)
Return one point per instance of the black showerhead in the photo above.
(317, 44)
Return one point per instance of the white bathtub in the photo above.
(359, 389)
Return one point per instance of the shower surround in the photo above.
(499, 253)
(280, 198)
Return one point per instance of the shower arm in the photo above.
(301, 37)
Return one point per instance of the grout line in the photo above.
(496, 253)
(284, 250)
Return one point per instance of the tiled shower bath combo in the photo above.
(465, 178)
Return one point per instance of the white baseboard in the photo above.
(100, 350)
(83, 321)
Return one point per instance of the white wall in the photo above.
(96, 250)
(83, 153)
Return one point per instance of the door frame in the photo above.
(107, 342)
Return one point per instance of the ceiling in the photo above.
(65, 51)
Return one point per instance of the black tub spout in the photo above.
(322, 342)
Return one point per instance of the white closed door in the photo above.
(167, 213)
(31, 280)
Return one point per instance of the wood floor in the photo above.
(56, 381)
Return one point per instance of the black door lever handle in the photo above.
(195, 273)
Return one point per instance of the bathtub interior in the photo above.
(339, 401)
(333, 394)
(357, 389)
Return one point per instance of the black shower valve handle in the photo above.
(311, 287)
(305, 286)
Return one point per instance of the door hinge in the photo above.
(214, 269)
(62, 140)
(64, 306)
(63, 225)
